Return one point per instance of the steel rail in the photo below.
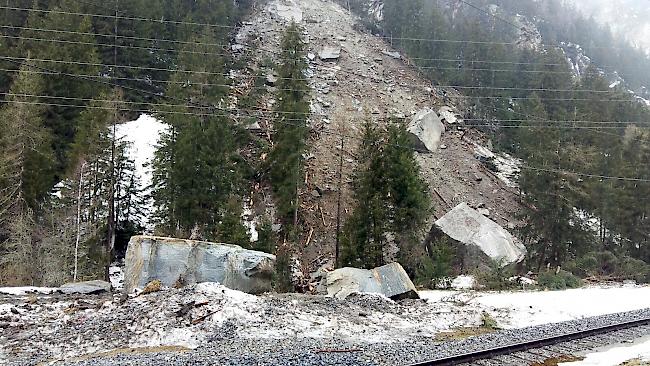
(531, 345)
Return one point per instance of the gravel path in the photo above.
(220, 350)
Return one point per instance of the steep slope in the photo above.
(366, 82)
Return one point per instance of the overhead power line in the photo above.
(226, 75)
(148, 80)
(227, 46)
(187, 23)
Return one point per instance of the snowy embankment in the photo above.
(70, 326)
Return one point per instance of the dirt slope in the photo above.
(366, 83)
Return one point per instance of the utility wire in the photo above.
(296, 79)
(227, 46)
(147, 80)
(186, 23)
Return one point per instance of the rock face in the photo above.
(179, 261)
(86, 288)
(473, 229)
(426, 130)
(390, 280)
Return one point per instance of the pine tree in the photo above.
(364, 234)
(75, 53)
(391, 198)
(285, 160)
(197, 167)
(231, 228)
(24, 150)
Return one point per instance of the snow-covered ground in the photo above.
(616, 355)
(63, 326)
(142, 135)
(22, 291)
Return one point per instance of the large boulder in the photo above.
(426, 129)
(179, 261)
(330, 53)
(390, 280)
(86, 288)
(473, 229)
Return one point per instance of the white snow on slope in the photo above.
(615, 356)
(143, 135)
(508, 166)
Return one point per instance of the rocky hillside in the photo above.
(354, 77)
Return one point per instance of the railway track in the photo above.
(548, 347)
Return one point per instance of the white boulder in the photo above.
(473, 229)
(86, 288)
(390, 280)
(330, 53)
(426, 130)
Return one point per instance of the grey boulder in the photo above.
(426, 129)
(184, 262)
(86, 288)
(470, 227)
(330, 53)
(390, 280)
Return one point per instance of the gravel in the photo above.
(221, 350)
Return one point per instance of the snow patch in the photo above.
(616, 355)
(463, 283)
(22, 291)
(143, 135)
(250, 222)
(116, 275)
(525, 309)
(508, 167)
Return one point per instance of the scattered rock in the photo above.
(390, 280)
(426, 129)
(289, 11)
(237, 47)
(473, 229)
(392, 54)
(448, 115)
(271, 80)
(166, 259)
(86, 288)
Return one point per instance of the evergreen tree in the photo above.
(197, 167)
(231, 228)
(75, 53)
(391, 198)
(24, 152)
(285, 159)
